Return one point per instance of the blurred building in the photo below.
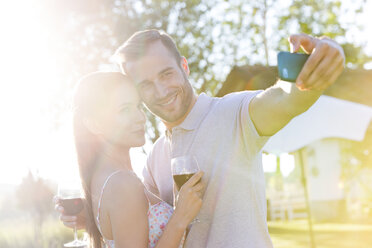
(322, 159)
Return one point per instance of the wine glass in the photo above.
(71, 199)
(183, 168)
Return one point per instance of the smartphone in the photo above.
(290, 65)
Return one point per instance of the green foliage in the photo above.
(314, 17)
(355, 57)
(322, 18)
(213, 35)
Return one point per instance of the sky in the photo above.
(27, 140)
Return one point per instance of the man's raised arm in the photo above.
(272, 109)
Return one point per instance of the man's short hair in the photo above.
(135, 47)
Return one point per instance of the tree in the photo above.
(213, 35)
(35, 197)
(322, 17)
(87, 35)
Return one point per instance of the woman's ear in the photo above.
(92, 126)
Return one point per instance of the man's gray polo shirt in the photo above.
(220, 133)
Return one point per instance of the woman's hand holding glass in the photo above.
(70, 221)
(189, 199)
(70, 197)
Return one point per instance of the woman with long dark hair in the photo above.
(108, 121)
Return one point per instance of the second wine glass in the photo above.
(71, 199)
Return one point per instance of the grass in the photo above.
(327, 235)
(19, 233)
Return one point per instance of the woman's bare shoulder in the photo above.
(126, 208)
(124, 188)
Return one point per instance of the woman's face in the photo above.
(122, 121)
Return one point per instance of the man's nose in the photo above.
(161, 89)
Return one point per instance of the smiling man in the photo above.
(161, 75)
(225, 134)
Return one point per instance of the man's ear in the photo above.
(92, 126)
(185, 66)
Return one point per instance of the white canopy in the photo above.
(328, 117)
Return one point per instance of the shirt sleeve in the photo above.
(253, 141)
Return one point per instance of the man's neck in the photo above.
(171, 125)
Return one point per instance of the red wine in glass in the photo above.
(70, 196)
(183, 168)
(72, 206)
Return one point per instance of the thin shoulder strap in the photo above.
(146, 190)
(100, 199)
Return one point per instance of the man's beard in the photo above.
(186, 100)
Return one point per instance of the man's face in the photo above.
(162, 82)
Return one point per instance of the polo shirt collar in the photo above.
(197, 113)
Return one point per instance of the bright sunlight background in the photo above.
(27, 139)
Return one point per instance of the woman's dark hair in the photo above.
(91, 94)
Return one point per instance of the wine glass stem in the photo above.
(75, 234)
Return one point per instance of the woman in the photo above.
(108, 121)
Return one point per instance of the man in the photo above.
(226, 135)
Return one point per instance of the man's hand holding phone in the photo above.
(324, 65)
